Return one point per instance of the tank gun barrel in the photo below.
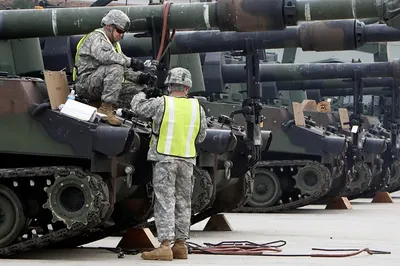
(375, 91)
(235, 73)
(332, 35)
(328, 84)
(226, 15)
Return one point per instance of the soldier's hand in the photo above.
(152, 64)
(147, 78)
(136, 64)
(148, 91)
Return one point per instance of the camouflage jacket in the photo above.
(97, 50)
(154, 108)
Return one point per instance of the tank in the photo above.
(384, 177)
(385, 128)
(275, 16)
(343, 34)
(67, 181)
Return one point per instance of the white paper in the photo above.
(354, 129)
(79, 110)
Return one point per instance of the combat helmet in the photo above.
(118, 18)
(179, 75)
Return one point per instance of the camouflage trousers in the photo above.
(105, 84)
(172, 182)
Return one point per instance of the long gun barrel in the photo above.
(375, 91)
(235, 73)
(334, 35)
(226, 15)
(327, 84)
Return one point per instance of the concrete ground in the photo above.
(375, 226)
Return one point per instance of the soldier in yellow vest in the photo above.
(178, 123)
(102, 73)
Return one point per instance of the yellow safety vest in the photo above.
(179, 128)
(117, 47)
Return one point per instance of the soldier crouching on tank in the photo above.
(178, 123)
(103, 73)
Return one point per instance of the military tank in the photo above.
(308, 36)
(380, 172)
(83, 31)
(387, 128)
(63, 185)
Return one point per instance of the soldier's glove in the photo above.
(148, 91)
(147, 78)
(136, 64)
(151, 64)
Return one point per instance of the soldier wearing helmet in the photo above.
(178, 123)
(102, 73)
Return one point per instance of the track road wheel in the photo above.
(12, 218)
(266, 189)
(310, 178)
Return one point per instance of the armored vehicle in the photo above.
(383, 172)
(70, 181)
(41, 225)
(387, 127)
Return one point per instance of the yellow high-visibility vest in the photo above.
(117, 48)
(179, 128)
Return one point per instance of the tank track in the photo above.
(47, 239)
(393, 184)
(305, 200)
(241, 200)
(360, 178)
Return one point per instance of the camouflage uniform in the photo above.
(101, 71)
(104, 74)
(172, 176)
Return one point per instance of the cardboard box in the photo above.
(57, 87)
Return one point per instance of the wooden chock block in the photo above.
(344, 117)
(217, 222)
(298, 114)
(138, 238)
(382, 197)
(338, 203)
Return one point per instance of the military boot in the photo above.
(107, 109)
(179, 250)
(164, 252)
